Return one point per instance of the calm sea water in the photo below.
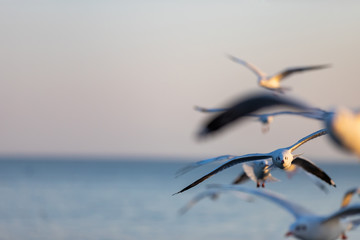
(133, 200)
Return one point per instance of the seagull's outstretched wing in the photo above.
(307, 138)
(213, 194)
(311, 168)
(236, 160)
(296, 210)
(210, 110)
(344, 212)
(248, 105)
(354, 224)
(318, 114)
(348, 196)
(241, 178)
(249, 171)
(191, 166)
(254, 69)
(289, 71)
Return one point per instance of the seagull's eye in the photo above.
(285, 158)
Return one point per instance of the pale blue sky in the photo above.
(122, 77)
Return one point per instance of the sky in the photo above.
(121, 78)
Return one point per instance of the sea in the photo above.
(132, 199)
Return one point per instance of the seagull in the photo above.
(265, 118)
(307, 225)
(281, 158)
(348, 196)
(213, 194)
(273, 82)
(259, 172)
(342, 124)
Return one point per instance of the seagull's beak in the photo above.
(288, 234)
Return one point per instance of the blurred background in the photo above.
(97, 98)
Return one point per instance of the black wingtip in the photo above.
(333, 183)
(202, 134)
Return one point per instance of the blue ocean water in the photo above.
(132, 200)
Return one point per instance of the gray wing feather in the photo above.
(295, 209)
(192, 166)
(307, 138)
(344, 212)
(250, 66)
(289, 71)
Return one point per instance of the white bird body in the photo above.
(269, 82)
(259, 172)
(316, 230)
(307, 225)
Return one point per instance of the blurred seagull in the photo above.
(214, 194)
(281, 158)
(265, 118)
(273, 82)
(348, 196)
(342, 124)
(308, 226)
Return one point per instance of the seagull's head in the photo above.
(283, 158)
(299, 230)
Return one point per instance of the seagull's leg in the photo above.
(343, 236)
(257, 184)
(263, 185)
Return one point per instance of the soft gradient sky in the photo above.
(122, 77)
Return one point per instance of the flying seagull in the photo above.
(307, 225)
(282, 158)
(342, 124)
(257, 171)
(264, 118)
(273, 82)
